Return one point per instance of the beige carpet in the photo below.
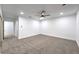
(39, 44)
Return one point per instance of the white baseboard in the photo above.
(46, 35)
(58, 37)
(27, 36)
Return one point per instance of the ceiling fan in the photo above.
(43, 14)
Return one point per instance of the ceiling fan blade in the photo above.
(63, 4)
(47, 15)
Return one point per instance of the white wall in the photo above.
(28, 27)
(63, 27)
(77, 27)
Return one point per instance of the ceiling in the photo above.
(33, 10)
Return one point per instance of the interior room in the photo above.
(40, 28)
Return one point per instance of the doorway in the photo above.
(10, 31)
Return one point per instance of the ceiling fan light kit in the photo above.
(41, 18)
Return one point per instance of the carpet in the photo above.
(39, 44)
